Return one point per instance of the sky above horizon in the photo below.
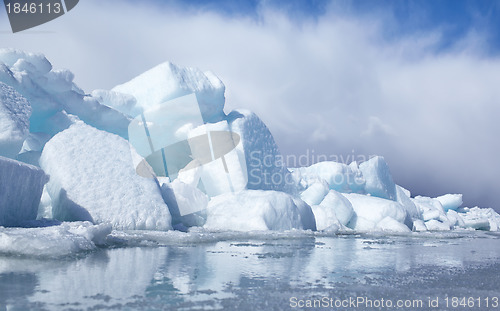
(414, 81)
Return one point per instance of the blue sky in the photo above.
(455, 17)
(414, 81)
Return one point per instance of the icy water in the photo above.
(281, 271)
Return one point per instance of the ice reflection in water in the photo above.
(254, 273)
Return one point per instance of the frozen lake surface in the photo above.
(260, 271)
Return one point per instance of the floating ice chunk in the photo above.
(436, 225)
(55, 241)
(391, 225)
(93, 177)
(378, 178)
(15, 112)
(339, 176)
(250, 210)
(450, 201)
(315, 193)
(340, 205)
(21, 187)
(480, 218)
(371, 210)
(431, 209)
(264, 162)
(167, 81)
(477, 223)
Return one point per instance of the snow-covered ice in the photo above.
(15, 112)
(250, 210)
(480, 218)
(98, 176)
(315, 193)
(124, 103)
(54, 241)
(55, 100)
(430, 208)
(392, 225)
(372, 210)
(93, 177)
(436, 225)
(333, 213)
(229, 222)
(450, 201)
(340, 205)
(378, 178)
(338, 176)
(264, 162)
(167, 81)
(412, 212)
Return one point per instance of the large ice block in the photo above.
(167, 81)
(93, 177)
(264, 162)
(258, 210)
(378, 178)
(21, 187)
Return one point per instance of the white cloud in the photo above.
(321, 84)
(377, 129)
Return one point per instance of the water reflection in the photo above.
(16, 287)
(208, 274)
